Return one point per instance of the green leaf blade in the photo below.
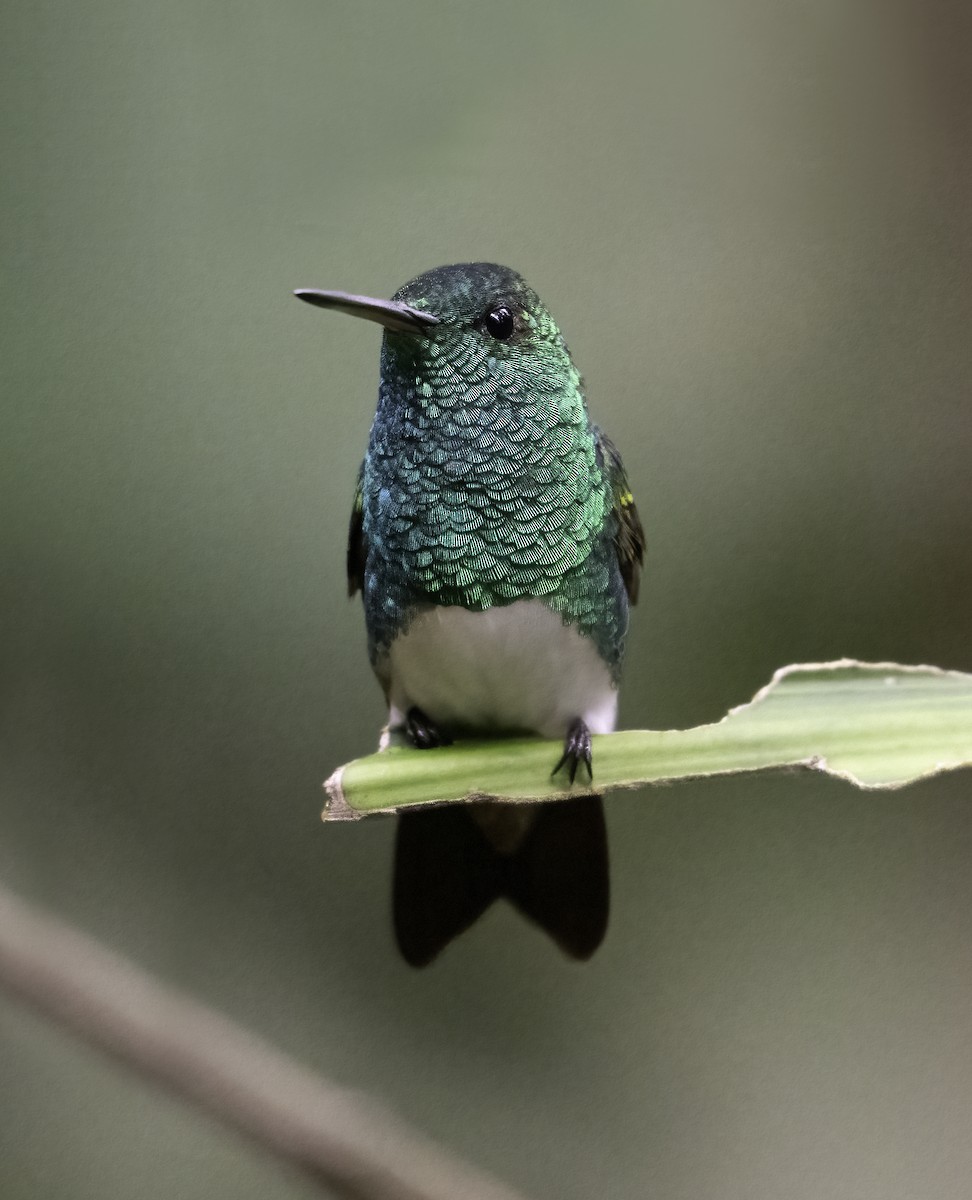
(876, 725)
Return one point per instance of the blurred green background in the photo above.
(753, 222)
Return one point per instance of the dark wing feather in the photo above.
(357, 546)
(629, 536)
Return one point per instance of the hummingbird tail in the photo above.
(559, 877)
(448, 870)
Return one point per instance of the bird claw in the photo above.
(577, 750)
(422, 732)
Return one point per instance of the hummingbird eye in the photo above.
(499, 323)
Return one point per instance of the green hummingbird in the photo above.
(497, 547)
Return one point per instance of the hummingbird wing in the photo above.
(357, 545)
(629, 536)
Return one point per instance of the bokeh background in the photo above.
(753, 221)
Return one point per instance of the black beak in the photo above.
(400, 318)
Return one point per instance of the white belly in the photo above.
(512, 669)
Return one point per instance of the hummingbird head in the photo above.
(468, 326)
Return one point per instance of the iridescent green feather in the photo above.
(485, 482)
(629, 536)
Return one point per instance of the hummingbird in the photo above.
(496, 545)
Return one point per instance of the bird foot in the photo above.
(577, 750)
(422, 731)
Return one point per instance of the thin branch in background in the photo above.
(342, 1140)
